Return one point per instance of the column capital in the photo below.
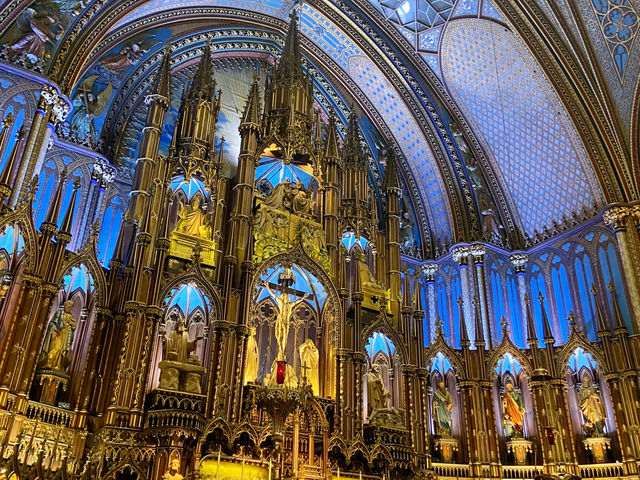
(617, 214)
(459, 253)
(519, 260)
(478, 251)
(429, 270)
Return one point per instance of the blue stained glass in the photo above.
(8, 241)
(67, 198)
(517, 336)
(188, 298)
(277, 172)
(537, 285)
(611, 270)
(456, 293)
(109, 232)
(441, 364)
(189, 188)
(349, 240)
(379, 342)
(498, 302)
(563, 301)
(78, 279)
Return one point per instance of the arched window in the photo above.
(66, 197)
(442, 300)
(584, 279)
(499, 310)
(111, 223)
(562, 295)
(456, 293)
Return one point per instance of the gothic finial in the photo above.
(603, 330)
(618, 323)
(546, 325)
(464, 334)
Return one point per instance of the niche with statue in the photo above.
(181, 344)
(291, 326)
(382, 382)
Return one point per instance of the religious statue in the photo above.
(285, 309)
(441, 408)
(591, 408)
(407, 236)
(377, 394)
(192, 221)
(309, 361)
(173, 472)
(302, 204)
(59, 338)
(280, 197)
(512, 412)
(251, 365)
(178, 345)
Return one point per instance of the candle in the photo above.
(218, 469)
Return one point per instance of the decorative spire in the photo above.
(546, 325)
(532, 336)
(351, 151)
(603, 330)
(7, 125)
(357, 280)
(332, 150)
(67, 220)
(203, 84)
(7, 171)
(391, 178)
(464, 335)
(418, 296)
(618, 323)
(251, 113)
(162, 83)
(54, 209)
(290, 65)
(479, 341)
(406, 292)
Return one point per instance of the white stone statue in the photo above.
(309, 357)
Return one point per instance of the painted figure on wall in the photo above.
(590, 403)
(129, 54)
(512, 412)
(89, 102)
(38, 31)
(59, 338)
(441, 410)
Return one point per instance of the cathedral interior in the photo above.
(319, 239)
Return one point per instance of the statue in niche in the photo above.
(285, 309)
(59, 338)
(178, 342)
(441, 408)
(192, 221)
(512, 412)
(173, 472)
(377, 393)
(408, 242)
(180, 369)
(591, 407)
(309, 357)
(281, 196)
(251, 365)
(302, 203)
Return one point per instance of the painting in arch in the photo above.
(373, 239)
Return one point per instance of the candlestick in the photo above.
(242, 474)
(338, 473)
(269, 469)
(218, 469)
(360, 475)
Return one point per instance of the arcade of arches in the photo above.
(319, 239)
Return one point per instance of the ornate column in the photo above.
(519, 261)
(462, 255)
(623, 220)
(478, 252)
(101, 176)
(51, 110)
(429, 270)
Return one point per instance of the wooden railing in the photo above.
(49, 414)
(602, 470)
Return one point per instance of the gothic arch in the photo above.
(195, 275)
(577, 339)
(382, 325)
(506, 346)
(88, 258)
(23, 217)
(298, 256)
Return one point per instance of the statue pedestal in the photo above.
(182, 246)
(182, 377)
(598, 447)
(448, 447)
(520, 447)
(50, 381)
(387, 417)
